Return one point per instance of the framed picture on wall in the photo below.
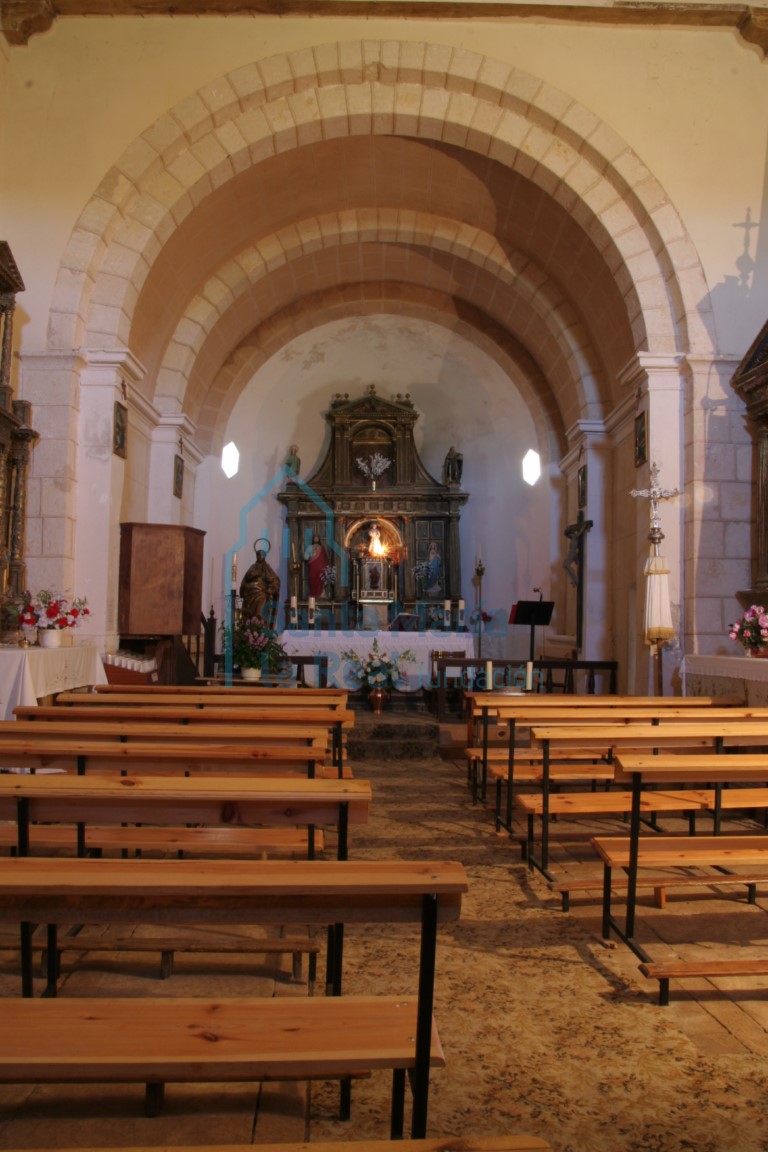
(120, 430)
(581, 486)
(641, 439)
(178, 476)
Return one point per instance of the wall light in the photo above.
(230, 460)
(531, 467)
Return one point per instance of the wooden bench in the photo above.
(576, 804)
(168, 946)
(315, 740)
(273, 695)
(517, 1143)
(157, 1040)
(660, 884)
(667, 970)
(227, 841)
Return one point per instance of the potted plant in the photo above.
(752, 631)
(51, 614)
(378, 671)
(255, 647)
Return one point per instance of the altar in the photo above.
(415, 674)
(744, 676)
(28, 675)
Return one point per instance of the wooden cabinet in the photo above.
(161, 580)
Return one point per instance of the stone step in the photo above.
(397, 736)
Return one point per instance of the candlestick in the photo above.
(234, 569)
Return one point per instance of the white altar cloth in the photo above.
(414, 673)
(29, 674)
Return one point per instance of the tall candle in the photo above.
(488, 675)
(293, 551)
(529, 675)
(234, 569)
(447, 613)
(294, 610)
(460, 620)
(311, 610)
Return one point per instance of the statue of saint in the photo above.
(292, 461)
(260, 588)
(453, 467)
(317, 561)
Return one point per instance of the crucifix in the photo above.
(658, 620)
(574, 566)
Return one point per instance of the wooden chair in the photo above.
(443, 682)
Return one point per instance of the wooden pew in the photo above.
(723, 853)
(154, 1041)
(334, 722)
(516, 1143)
(613, 739)
(229, 803)
(338, 697)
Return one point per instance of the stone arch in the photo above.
(431, 92)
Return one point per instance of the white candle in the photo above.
(293, 551)
(447, 613)
(311, 610)
(234, 569)
(488, 675)
(460, 621)
(529, 675)
(294, 609)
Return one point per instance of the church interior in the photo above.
(417, 331)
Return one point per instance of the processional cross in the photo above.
(658, 619)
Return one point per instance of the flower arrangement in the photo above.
(421, 569)
(752, 630)
(479, 617)
(374, 466)
(378, 669)
(328, 575)
(255, 645)
(47, 610)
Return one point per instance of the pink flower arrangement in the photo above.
(48, 610)
(752, 630)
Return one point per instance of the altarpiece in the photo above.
(373, 537)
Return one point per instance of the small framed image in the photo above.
(178, 476)
(641, 439)
(581, 486)
(120, 430)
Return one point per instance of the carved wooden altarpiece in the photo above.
(750, 381)
(378, 515)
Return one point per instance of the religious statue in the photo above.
(435, 562)
(453, 467)
(292, 462)
(260, 587)
(317, 561)
(574, 532)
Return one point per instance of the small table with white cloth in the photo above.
(415, 674)
(28, 675)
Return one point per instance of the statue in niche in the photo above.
(317, 561)
(453, 467)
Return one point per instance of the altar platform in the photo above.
(415, 674)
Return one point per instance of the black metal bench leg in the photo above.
(153, 1099)
(397, 1117)
(345, 1098)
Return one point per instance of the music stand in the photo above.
(531, 613)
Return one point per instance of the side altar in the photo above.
(374, 539)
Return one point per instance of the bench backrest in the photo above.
(187, 714)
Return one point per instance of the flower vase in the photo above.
(250, 673)
(758, 653)
(378, 698)
(49, 638)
